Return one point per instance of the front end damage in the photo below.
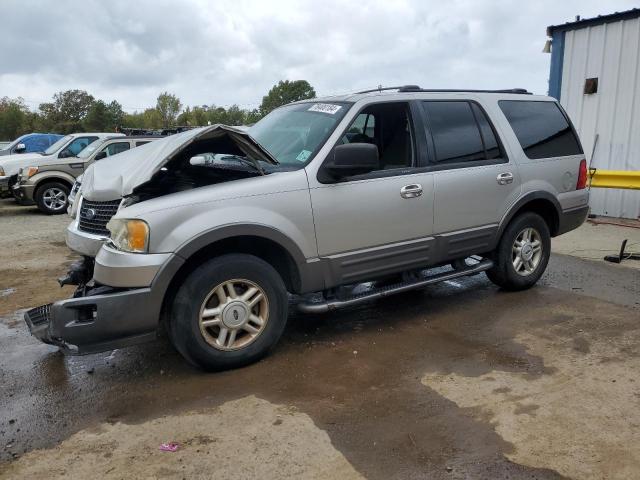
(119, 296)
(74, 324)
(100, 317)
(102, 320)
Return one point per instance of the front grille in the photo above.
(40, 315)
(95, 215)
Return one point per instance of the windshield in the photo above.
(88, 150)
(57, 146)
(294, 133)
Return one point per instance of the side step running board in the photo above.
(308, 306)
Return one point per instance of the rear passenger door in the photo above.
(475, 181)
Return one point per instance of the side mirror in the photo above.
(66, 154)
(352, 159)
(198, 160)
(20, 148)
(101, 155)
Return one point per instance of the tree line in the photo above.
(78, 111)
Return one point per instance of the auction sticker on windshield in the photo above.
(325, 108)
(303, 155)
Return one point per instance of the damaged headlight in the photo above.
(129, 235)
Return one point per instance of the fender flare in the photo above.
(39, 178)
(521, 202)
(310, 274)
(213, 235)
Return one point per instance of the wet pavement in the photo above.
(459, 380)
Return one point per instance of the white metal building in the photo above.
(595, 73)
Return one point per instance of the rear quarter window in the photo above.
(541, 128)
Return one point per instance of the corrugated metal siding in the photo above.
(610, 52)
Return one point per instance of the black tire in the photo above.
(184, 321)
(503, 273)
(43, 201)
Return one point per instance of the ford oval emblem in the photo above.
(89, 214)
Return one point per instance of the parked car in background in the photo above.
(66, 147)
(29, 143)
(335, 201)
(49, 183)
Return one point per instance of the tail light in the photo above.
(582, 175)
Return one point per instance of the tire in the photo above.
(52, 198)
(504, 273)
(203, 344)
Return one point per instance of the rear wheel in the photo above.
(522, 254)
(52, 198)
(229, 312)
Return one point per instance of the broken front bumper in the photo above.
(104, 317)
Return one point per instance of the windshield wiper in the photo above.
(254, 163)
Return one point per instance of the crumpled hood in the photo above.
(12, 163)
(116, 177)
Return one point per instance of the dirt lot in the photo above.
(456, 381)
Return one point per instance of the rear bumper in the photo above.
(104, 318)
(572, 219)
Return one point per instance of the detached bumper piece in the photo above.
(38, 322)
(104, 319)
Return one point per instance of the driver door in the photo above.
(380, 222)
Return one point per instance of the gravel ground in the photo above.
(456, 381)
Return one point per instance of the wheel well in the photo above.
(271, 252)
(44, 181)
(546, 210)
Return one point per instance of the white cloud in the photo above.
(232, 51)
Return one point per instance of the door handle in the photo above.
(411, 191)
(505, 178)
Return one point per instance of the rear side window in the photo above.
(461, 132)
(138, 144)
(116, 148)
(541, 128)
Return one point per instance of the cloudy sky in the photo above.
(224, 52)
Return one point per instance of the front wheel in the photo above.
(522, 254)
(229, 312)
(52, 197)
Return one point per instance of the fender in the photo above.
(46, 176)
(310, 271)
(521, 202)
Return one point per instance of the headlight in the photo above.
(28, 172)
(129, 235)
(2, 172)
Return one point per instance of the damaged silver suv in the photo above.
(335, 201)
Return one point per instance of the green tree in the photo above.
(14, 118)
(67, 111)
(115, 114)
(186, 117)
(168, 106)
(151, 118)
(97, 119)
(286, 92)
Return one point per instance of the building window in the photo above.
(591, 86)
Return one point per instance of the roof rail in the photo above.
(416, 88)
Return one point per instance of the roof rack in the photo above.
(416, 88)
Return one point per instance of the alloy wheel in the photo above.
(54, 198)
(233, 314)
(526, 252)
